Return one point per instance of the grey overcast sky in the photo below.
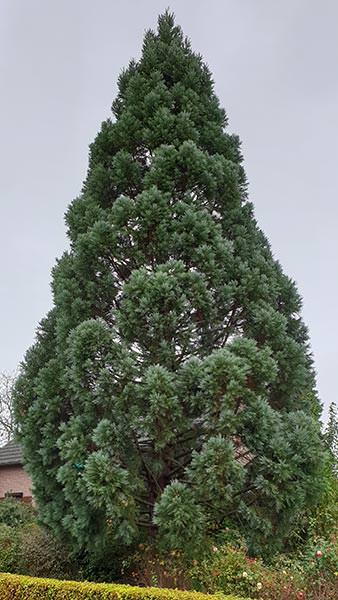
(275, 66)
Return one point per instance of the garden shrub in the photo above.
(14, 513)
(227, 569)
(312, 575)
(41, 555)
(151, 565)
(26, 547)
(9, 545)
(16, 587)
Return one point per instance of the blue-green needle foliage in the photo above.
(170, 391)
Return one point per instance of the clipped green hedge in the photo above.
(20, 587)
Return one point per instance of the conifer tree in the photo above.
(331, 433)
(170, 391)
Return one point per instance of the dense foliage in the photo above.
(26, 547)
(170, 391)
(14, 587)
(331, 435)
(310, 572)
(15, 514)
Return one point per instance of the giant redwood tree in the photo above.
(170, 390)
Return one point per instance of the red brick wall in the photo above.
(14, 479)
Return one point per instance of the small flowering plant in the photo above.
(228, 570)
(320, 560)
